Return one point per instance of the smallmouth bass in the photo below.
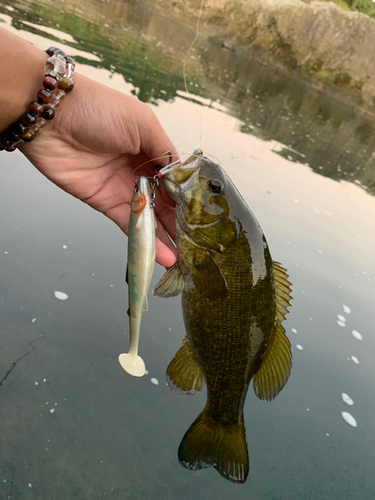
(141, 260)
(234, 298)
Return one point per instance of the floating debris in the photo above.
(155, 381)
(349, 419)
(347, 399)
(357, 335)
(61, 295)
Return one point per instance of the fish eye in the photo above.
(215, 186)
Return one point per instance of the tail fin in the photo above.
(134, 365)
(210, 443)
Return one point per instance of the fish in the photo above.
(234, 299)
(140, 267)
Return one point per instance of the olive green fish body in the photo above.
(234, 298)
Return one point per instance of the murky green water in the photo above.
(304, 162)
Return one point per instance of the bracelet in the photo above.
(58, 80)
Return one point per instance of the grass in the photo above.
(365, 6)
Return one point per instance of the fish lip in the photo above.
(176, 189)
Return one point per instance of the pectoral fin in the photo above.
(275, 369)
(183, 374)
(209, 279)
(171, 283)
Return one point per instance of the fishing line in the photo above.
(184, 67)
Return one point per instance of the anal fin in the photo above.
(183, 374)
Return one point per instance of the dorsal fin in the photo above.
(275, 369)
(277, 361)
(282, 290)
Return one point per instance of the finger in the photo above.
(164, 255)
(154, 140)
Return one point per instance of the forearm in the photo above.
(22, 68)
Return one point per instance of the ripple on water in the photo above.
(357, 335)
(347, 399)
(349, 419)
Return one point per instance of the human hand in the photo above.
(92, 149)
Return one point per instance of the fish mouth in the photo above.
(180, 177)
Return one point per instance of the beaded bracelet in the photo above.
(58, 80)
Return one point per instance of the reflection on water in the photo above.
(140, 44)
(108, 435)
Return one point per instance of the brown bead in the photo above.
(10, 148)
(66, 84)
(5, 142)
(28, 136)
(28, 119)
(49, 83)
(20, 128)
(51, 51)
(48, 113)
(44, 96)
(36, 107)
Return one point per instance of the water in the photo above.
(73, 425)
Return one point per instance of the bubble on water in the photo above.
(294, 330)
(6, 253)
(44, 380)
(327, 433)
(155, 381)
(33, 320)
(347, 309)
(349, 419)
(52, 410)
(36, 383)
(65, 247)
(111, 286)
(60, 295)
(357, 335)
(299, 347)
(341, 323)
(146, 372)
(30, 485)
(341, 318)
(355, 360)
(347, 399)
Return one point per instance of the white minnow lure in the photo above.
(141, 260)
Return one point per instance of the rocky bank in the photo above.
(319, 39)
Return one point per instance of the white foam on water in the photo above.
(60, 295)
(341, 323)
(299, 347)
(294, 330)
(341, 318)
(347, 309)
(154, 381)
(355, 360)
(347, 399)
(33, 320)
(349, 419)
(357, 335)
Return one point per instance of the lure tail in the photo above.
(210, 443)
(134, 365)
